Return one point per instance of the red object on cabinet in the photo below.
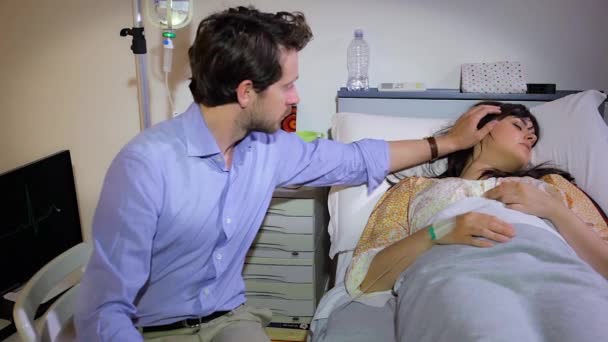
(289, 123)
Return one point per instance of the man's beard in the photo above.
(258, 122)
(262, 125)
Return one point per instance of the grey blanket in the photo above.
(533, 288)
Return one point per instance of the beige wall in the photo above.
(67, 79)
(67, 83)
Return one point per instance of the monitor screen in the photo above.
(38, 217)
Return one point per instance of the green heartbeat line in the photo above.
(33, 221)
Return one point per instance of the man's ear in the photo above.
(245, 93)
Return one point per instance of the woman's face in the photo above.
(509, 144)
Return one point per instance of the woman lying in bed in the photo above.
(490, 248)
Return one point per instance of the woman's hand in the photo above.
(469, 227)
(527, 198)
(464, 133)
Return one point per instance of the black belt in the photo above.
(186, 323)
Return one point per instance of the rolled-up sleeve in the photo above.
(325, 162)
(123, 230)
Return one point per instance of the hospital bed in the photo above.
(574, 138)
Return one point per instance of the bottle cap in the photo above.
(358, 33)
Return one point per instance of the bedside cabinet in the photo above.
(287, 268)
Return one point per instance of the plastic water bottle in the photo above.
(357, 58)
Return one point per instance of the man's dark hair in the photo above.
(240, 44)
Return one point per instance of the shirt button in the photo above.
(206, 291)
(228, 220)
(218, 256)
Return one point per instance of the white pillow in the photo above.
(573, 136)
(350, 207)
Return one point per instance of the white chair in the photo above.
(56, 323)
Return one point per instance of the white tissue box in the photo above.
(498, 78)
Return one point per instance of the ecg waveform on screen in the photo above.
(32, 222)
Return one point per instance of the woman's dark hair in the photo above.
(457, 161)
(240, 44)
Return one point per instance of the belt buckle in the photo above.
(193, 326)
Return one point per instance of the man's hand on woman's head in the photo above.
(469, 228)
(464, 133)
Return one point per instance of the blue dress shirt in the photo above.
(173, 223)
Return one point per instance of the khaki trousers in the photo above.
(245, 323)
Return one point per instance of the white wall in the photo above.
(558, 41)
(68, 79)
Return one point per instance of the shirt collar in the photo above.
(199, 140)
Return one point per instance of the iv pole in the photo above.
(138, 46)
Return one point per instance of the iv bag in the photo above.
(172, 14)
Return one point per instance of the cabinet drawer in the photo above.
(287, 273)
(286, 242)
(288, 224)
(276, 253)
(284, 307)
(291, 206)
(279, 289)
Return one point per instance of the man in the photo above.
(183, 201)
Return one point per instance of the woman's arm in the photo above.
(394, 259)
(585, 242)
(468, 228)
(528, 199)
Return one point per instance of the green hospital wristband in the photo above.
(431, 231)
